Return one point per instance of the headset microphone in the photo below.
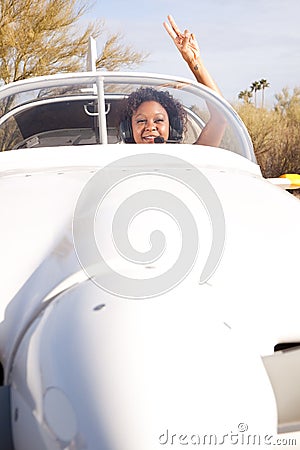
(161, 140)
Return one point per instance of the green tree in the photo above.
(255, 86)
(263, 85)
(245, 96)
(41, 37)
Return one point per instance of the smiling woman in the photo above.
(149, 122)
(151, 114)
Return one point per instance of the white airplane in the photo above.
(149, 295)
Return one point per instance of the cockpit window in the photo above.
(85, 110)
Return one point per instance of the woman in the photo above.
(152, 116)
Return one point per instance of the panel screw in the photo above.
(98, 307)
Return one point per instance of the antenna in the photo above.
(92, 55)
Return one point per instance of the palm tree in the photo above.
(263, 85)
(255, 86)
(246, 96)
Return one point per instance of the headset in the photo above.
(175, 130)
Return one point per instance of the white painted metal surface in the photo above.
(90, 370)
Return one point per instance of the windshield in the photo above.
(85, 109)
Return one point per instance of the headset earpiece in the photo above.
(126, 131)
(176, 129)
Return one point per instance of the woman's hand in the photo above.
(187, 45)
(189, 49)
(185, 42)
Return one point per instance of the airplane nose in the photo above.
(99, 372)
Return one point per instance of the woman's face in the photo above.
(149, 121)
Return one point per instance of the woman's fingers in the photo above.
(185, 42)
(172, 28)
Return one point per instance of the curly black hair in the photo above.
(174, 108)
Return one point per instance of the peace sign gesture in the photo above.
(185, 42)
(188, 47)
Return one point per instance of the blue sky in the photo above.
(240, 40)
